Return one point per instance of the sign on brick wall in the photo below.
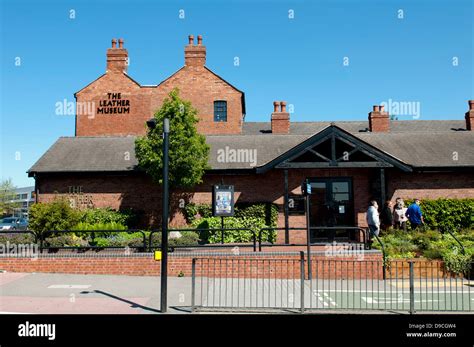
(114, 104)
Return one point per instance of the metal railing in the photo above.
(250, 283)
(247, 284)
(42, 239)
(147, 241)
(364, 232)
(222, 243)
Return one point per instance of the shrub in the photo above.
(424, 239)
(268, 212)
(251, 216)
(134, 239)
(17, 239)
(56, 215)
(265, 211)
(231, 236)
(98, 226)
(192, 210)
(432, 245)
(452, 214)
(398, 245)
(457, 262)
(188, 238)
(65, 240)
(106, 216)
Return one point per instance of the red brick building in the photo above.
(347, 163)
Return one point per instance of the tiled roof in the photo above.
(415, 143)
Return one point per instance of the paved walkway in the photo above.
(109, 294)
(62, 293)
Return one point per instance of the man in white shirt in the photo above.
(373, 219)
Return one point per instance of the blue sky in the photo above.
(300, 59)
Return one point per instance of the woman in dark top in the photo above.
(386, 216)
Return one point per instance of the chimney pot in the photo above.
(382, 108)
(280, 118)
(276, 106)
(117, 58)
(376, 108)
(195, 55)
(471, 105)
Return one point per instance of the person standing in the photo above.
(373, 219)
(399, 218)
(414, 214)
(386, 217)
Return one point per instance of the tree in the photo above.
(7, 195)
(188, 151)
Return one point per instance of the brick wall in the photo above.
(138, 192)
(249, 266)
(195, 82)
(430, 185)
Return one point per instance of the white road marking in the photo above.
(69, 286)
(6, 312)
(370, 300)
(325, 299)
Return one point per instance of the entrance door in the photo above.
(331, 205)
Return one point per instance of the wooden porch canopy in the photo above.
(333, 147)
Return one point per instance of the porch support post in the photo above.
(286, 202)
(333, 151)
(382, 186)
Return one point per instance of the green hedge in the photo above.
(231, 236)
(251, 216)
(452, 214)
(268, 212)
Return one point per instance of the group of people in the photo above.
(394, 216)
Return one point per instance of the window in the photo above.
(220, 111)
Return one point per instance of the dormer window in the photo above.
(220, 111)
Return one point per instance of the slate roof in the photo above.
(419, 144)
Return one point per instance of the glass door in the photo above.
(331, 205)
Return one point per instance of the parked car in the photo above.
(13, 223)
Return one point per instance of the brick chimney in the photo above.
(117, 57)
(195, 55)
(470, 116)
(280, 118)
(379, 120)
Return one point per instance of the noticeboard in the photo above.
(222, 201)
(296, 205)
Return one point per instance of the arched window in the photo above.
(220, 111)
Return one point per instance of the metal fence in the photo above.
(148, 238)
(147, 241)
(260, 284)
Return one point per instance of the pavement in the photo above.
(36, 293)
(90, 294)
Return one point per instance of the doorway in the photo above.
(331, 205)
